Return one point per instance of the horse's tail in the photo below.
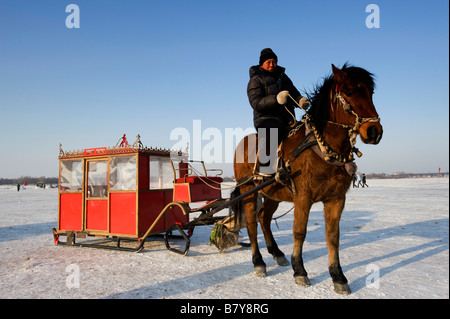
(236, 209)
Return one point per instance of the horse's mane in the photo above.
(319, 98)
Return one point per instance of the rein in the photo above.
(314, 139)
(352, 129)
(322, 148)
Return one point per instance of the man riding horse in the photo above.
(273, 112)
(317, 156)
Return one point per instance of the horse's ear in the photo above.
(335, 69)
(338, 74)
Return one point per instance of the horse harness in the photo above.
(358, 120)
(313, 139)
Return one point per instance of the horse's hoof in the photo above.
(302, 281)
(281, 261)
(342, 289)
(260, 271)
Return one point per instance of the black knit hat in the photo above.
(267, 54)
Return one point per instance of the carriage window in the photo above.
(123, 173)
(71, 176)
(97, 179)
(161, 173)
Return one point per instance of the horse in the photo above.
(341, 108)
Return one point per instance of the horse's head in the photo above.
(352, 105)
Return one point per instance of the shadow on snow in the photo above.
(353, 235)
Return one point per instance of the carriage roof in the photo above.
(121, 147)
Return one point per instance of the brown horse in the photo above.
(341, 109)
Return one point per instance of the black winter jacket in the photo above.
(262, 91)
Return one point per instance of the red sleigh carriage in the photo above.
(130, 192)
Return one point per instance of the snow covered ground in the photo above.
(394, 244)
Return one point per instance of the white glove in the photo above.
(304, 103)
(282, 97)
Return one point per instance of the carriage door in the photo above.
(97, 195)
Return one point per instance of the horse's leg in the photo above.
(301, 214)
(333, 210)
(249, 206)
(265, 218)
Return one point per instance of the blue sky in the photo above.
(149, 67)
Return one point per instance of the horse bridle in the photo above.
(352, 129)
(349, 109)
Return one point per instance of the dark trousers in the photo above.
(270, 134)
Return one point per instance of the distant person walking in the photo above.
(358, 179)
(354, 180)
(18, 187)
(364, 180)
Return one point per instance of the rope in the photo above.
(301, 107)
(275, 219)
(293, 116)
